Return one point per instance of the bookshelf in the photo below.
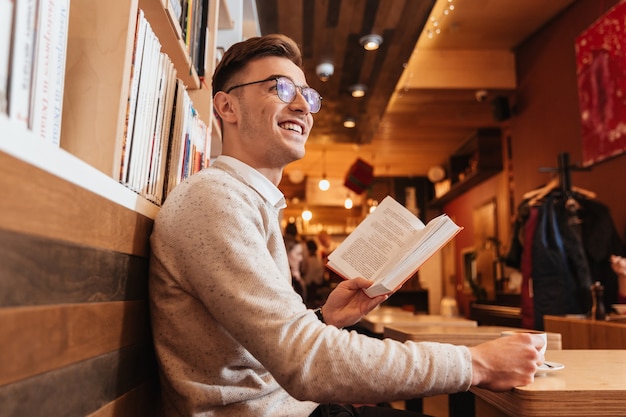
(99, 62)
(74, 241)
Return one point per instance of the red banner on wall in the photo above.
(600, 66)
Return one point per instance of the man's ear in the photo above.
(224, 106)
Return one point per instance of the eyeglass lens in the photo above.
(286, 90)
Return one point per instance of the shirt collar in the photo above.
(256, 180)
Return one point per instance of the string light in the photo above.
(434, 27)
(372, 205)
(324, 185)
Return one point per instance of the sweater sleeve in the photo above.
(222, 248)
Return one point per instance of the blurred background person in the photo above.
(313, 275)
(295, 256)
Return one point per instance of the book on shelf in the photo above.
(165, 134)
(203, 33)
(6, 27)
(190, 145)
(49, 69)
(139, 137)
(133, 93)
(177, 8)
(389, 246)
(164, 140)
(154, 183)
(174, 154)
(22, 54)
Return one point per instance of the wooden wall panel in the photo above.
(132, 404)
(38, 339)
(81, 388)
(39, 271)
(74, 324)
(587, 334)
(38, 203)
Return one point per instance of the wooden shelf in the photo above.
(23, 145)
(477, 160)
(463, 186)
(167, 29)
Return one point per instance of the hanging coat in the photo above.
(554, 289)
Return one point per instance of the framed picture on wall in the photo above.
(601, 75)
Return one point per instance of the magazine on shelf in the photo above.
(389, 246)
(22, 55)
(6, 28)
(49, 69)
(133, 94)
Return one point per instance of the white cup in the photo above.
(543, 335)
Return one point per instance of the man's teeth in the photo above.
(291, 126)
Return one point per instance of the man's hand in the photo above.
(347, 303)
(506, 362)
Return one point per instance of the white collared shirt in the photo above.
(256, 180)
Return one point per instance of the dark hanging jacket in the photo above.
(571, 246)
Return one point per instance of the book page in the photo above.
(427, 241)
(381, 240)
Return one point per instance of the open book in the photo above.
(389, 246)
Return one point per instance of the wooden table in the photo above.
(456, 335)
(461, 404)
(377, 320)
(583, 333)
(593, 383)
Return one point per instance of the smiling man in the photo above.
(231, 335)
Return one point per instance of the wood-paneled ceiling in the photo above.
(421, 101)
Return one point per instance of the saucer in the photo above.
(548, 367)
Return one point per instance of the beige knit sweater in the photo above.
(234, 339)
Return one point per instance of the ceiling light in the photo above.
(325, 70)
(349, 122)
(371, 42)
(348, 202)
(358, 90)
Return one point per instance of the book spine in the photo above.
(200, 59)
(6, 28)
(22, 54)
(142, 116)
(195, 32)
(59, 56)
(49, 70)
(42, 62)
(133, 92)
(149, 78)
(155, 152)
(177, 8)
(176, 134)
(165, 133)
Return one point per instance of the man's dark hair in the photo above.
(239, 54)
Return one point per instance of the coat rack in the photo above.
(564, 169)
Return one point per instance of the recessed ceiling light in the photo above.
(349, 122)
(371, 42)
(358, 90)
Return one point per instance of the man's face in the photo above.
(272, 132)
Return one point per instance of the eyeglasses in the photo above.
(286, 91)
